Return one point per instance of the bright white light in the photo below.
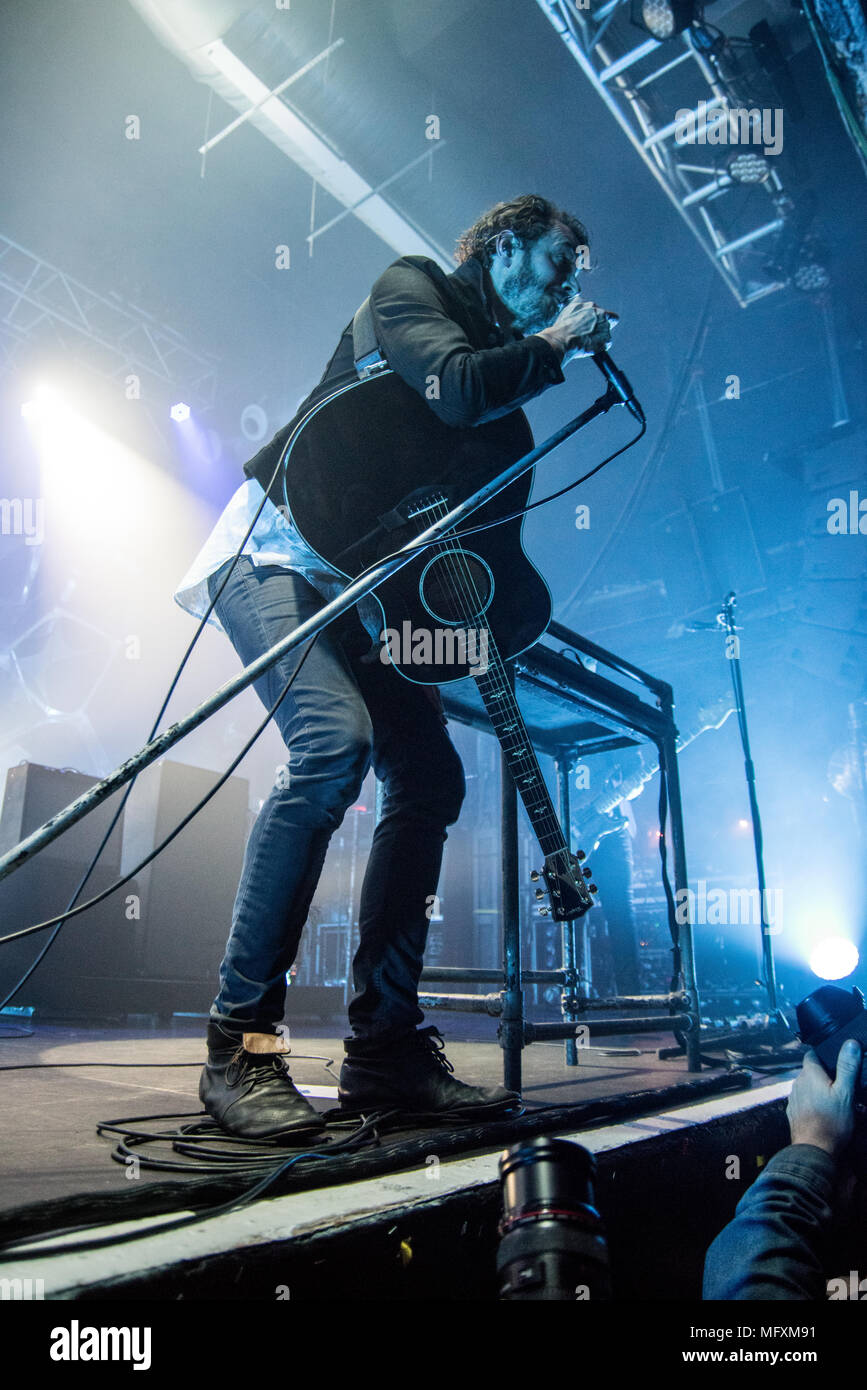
(43, 404)
(180, 411)
(833, 958)
(104, 512)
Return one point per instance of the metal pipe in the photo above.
(464, 1003)
(636, 1001)
(571, 948)
(707, 190)
(685, 941)
(628, 60)
(446, 974)
(660, 135)
(610, 659)
(839, 404)
(511, 1028)
(732, 651)
(730, 246)
(374, 192)
(607, 1028)
(660, 72)
(275, 91)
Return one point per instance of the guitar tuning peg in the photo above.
(544, 911)
(592, 887)
(535, 876)
(588, 872)
(579, 855)
(540, 892)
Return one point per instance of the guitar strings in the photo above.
(526, 763)
(526, 759)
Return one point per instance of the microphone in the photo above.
(616, 378)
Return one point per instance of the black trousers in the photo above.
(341, 716)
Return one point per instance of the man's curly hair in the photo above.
(529, 217)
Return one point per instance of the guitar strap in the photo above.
(365, 348)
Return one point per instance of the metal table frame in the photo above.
(625, 713)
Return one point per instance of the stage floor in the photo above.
(51, 1107)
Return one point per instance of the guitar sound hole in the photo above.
(456, 588)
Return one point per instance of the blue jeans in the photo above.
(341, 716)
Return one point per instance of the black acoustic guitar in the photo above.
(371, 466)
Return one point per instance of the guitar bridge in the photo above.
(416, 504)
(426, 504)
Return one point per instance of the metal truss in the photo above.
(232, 80)
(39, 302)
(647, 86)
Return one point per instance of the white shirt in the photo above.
(274, 540)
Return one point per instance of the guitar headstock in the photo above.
(566, 879)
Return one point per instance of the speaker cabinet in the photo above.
(153, 946)
(89, 970)
(34, 794)
(188, 891)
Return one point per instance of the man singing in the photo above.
(494, 334)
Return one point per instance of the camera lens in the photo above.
(553, 1243)
(826, 1010)
(826, 1018)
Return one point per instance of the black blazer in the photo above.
(438, 333)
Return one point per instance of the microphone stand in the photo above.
(779, 1031)
(19, 854)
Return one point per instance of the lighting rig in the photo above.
(709, 114)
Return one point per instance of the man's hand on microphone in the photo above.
(580, 329)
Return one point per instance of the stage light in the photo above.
(42, 405)
(663, 18)
(834, 958)
(748, 167)
(180, 411)
(811, 276)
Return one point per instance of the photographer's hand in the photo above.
(820, 1111)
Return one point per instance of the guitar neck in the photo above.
(614, 793)
(499, 700)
